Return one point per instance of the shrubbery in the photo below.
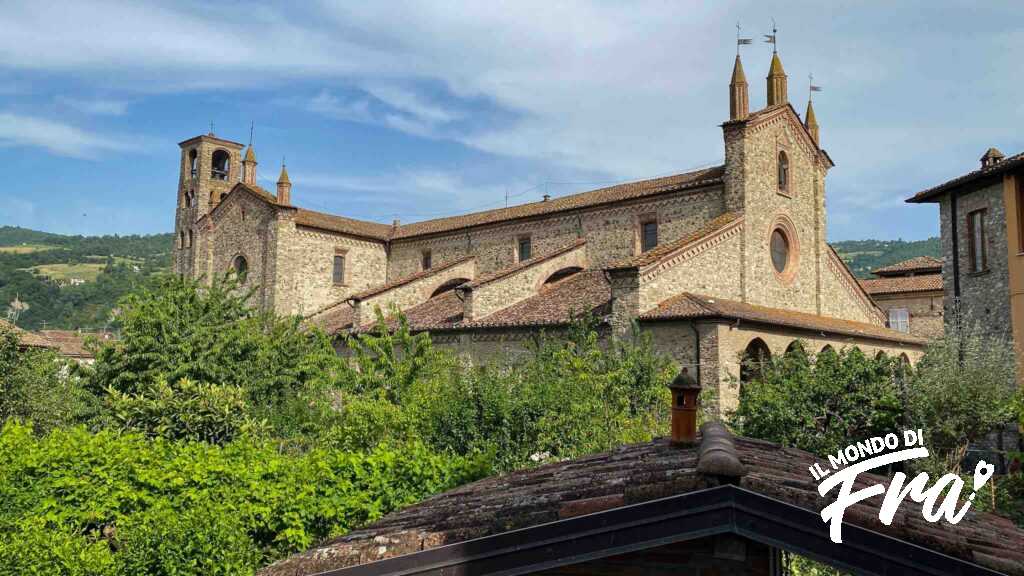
(75, 502)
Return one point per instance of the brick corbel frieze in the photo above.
(692, 250)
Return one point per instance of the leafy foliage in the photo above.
(111, 503)
(820, 404)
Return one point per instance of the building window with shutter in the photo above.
(899, 319)
(648, 235)
(976, 241)
(426, 260)
(525, 248)
(339, 269)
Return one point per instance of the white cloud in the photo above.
(59, 138)
(330, 105)
(95, 107)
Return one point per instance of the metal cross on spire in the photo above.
(771, 38)
(211, 127)
(741, 41)
(252, 126)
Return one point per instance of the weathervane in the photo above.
(812, 87)
(771, 38)
(741, 41)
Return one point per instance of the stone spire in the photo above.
(284, 186)
(249, 167)
(811, 122)
(739, 102)
(777, 82)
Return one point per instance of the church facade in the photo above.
(718, 265)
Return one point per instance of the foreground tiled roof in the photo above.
(918, 264)
(662, 250)
(687, 305)
(931, 194)
(333, 319)
(635, 474)
(628, 191)
(903, 284)
(72, 342)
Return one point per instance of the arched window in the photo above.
(755, 356)
(190, 238)
(795, 347)
(449, 286)
(193, 162)
(240, 266)
(783, 172)
(826, 351)
(562, 275)
(221, 165)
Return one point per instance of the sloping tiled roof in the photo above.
(654, 255)
(72, 342)
(407, 279)
(640, 189)
(903, 284)
(556, 305)
(341, 224)
(918, 264)
(638, 473)
(506, 272)
(333, 319)
(695, 306)
(931, 194)
(26, 338)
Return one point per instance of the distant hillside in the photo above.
(863, 256)
(60, 281)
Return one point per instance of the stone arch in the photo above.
(240, 266)
(220, 165)
(881, 355)
(193, 162)
(448, 286)
(755, 355)
(559, 275)
(795, 347)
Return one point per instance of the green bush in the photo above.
(165, 506)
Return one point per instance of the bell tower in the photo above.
(210, 167)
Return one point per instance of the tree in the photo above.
(820, 404)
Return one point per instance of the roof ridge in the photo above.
(1008, 163)
(714, 226)
(406, 280)
(505, 272)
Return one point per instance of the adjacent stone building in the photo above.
(982, 224)
(910, 294)
(717, 264)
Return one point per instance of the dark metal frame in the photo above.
(721, 510)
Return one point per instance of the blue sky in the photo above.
(413, 110)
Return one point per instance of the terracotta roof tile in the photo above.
(903, 284)
(584, 292)
(918, 264)
(341, 224)
(27, 339)
(930, 195)
(72, 342)
(695, 306)
(504, 273)
(634, 474)
(332, 319)
(640, 189)
(407, 279)
(656, 254)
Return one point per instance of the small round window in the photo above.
(780, 250)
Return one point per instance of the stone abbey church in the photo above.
(715, 264)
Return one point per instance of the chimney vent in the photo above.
(685, 393)
(547, 197)
(991, 157)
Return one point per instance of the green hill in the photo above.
(58, 281)
(863, 256)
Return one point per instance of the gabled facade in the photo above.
(750, 231)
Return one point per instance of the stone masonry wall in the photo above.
(985, 296)
(926, 314)
(711, 267)
(611, 233)
(500, 293)
(310, 260)
(412, 293)
(239, 228)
